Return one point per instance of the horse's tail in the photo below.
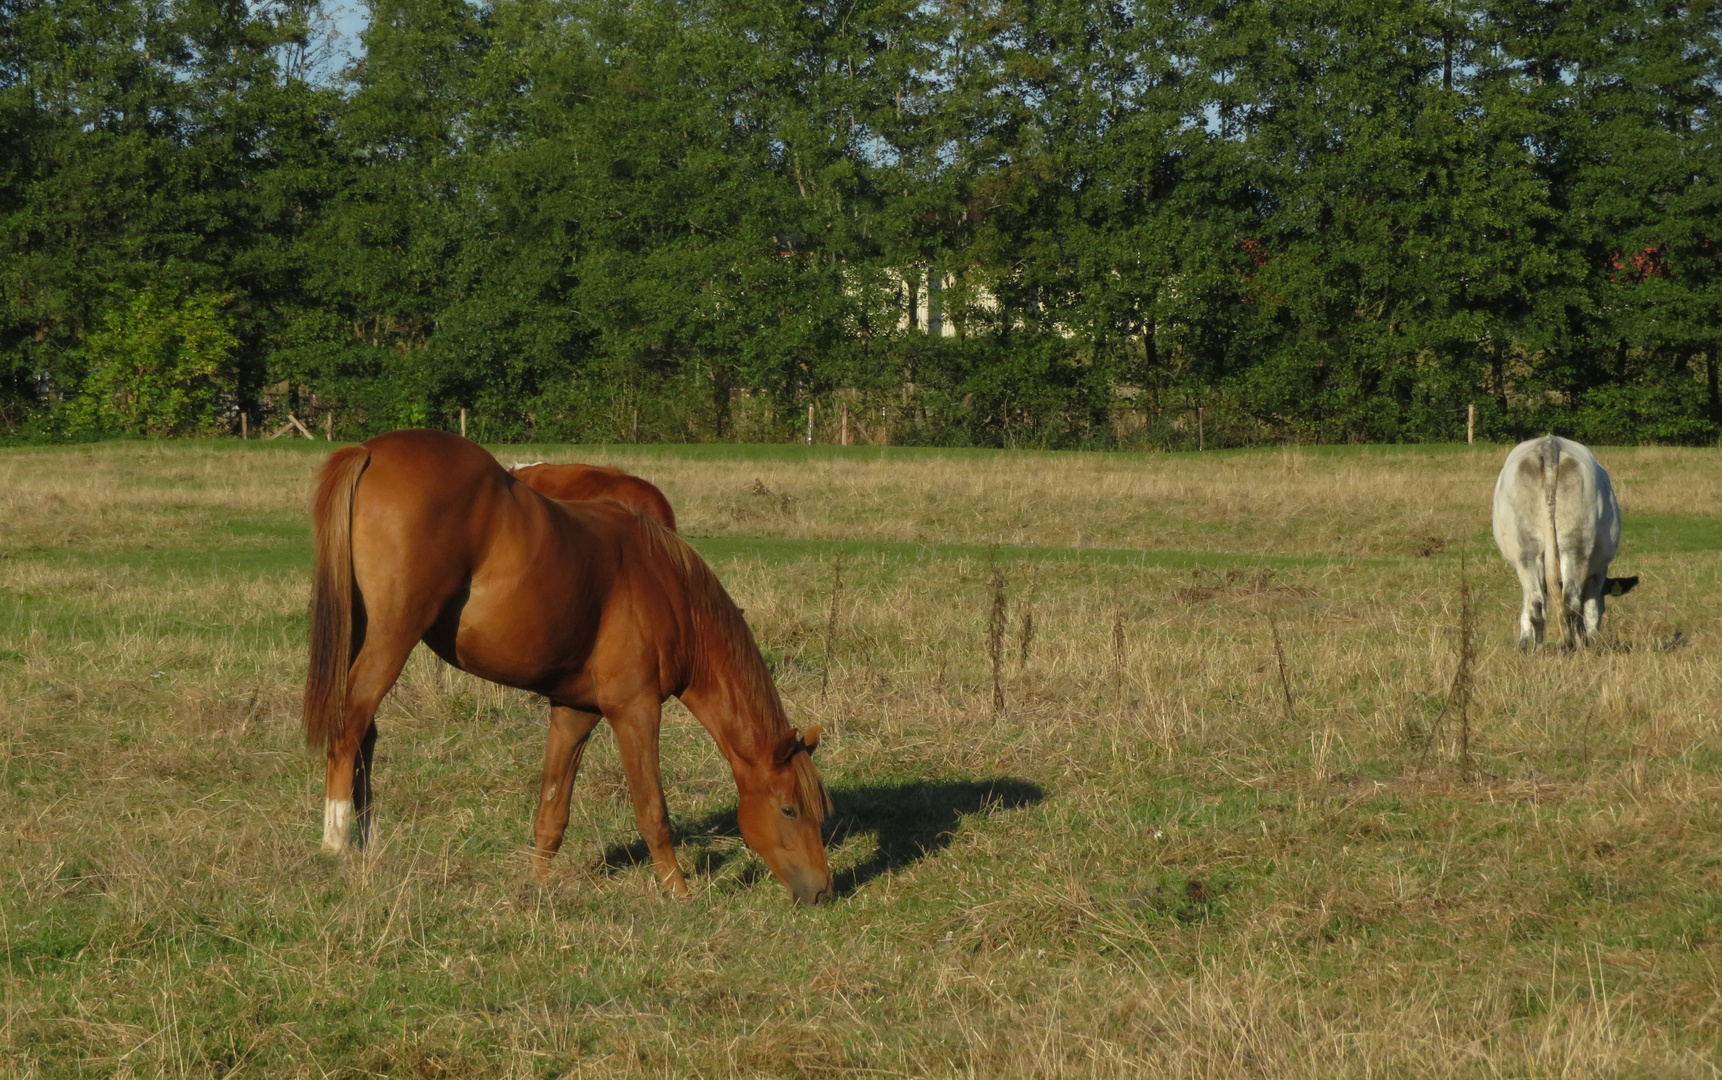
(1556, 603)
(332, 595)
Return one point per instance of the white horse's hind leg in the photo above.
(337, 824)
(1572, 601)
(1593, 603)
(1531, 609)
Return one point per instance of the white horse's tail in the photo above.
(1555, 606)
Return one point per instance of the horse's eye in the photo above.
(789, 811)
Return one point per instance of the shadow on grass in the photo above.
(908, 822)
(1661, 640)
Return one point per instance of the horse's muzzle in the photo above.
(808, 887)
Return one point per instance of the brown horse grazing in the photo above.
(420, 535)
(583, 483)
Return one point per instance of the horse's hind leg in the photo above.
(362, 782)
(1533, 607)
(569, 730)
(1593, 604)
(348, 778)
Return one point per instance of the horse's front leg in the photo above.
(569, 730)
(636, 725)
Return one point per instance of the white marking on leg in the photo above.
(337, 824)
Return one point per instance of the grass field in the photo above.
(1158, 859)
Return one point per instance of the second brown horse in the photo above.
(421, 535)
(587, 482)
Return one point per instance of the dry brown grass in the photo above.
(1146, 869)
(1328, 502)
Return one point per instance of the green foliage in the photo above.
(160, 364)
(599, 219)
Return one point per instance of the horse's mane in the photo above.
(718, 625)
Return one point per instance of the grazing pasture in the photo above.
(1229, 820)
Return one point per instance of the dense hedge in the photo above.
(690, 219)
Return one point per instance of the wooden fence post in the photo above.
(843, 437)
(810, 423)
(463, 423)
(1470, 424)
(329, 426)
(244, 427)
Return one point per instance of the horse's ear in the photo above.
(793, 743)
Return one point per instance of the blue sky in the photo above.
(345, 20)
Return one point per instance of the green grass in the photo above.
(776, 551)
(1667, 534)
(1152, 868)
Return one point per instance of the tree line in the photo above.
(985, 222)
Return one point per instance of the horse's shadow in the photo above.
(908, 822)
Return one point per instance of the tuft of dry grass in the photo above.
(1143, 864)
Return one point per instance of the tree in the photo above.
(160, 364)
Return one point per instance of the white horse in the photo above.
(1557, 522)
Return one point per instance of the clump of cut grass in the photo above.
(781, 501)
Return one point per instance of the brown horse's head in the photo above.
(783, 805)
